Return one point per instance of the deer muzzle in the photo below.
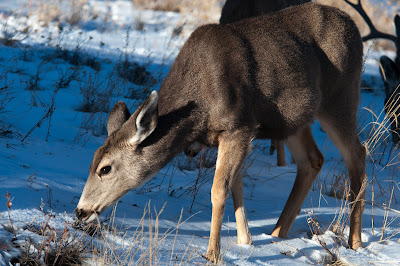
(85, 216)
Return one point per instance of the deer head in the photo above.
(118, 163)
(390, 72)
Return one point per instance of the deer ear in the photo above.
(390, 73)
(118, 116)
(397, 25)
(146, 119)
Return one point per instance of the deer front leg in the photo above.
(232, 151)
(243, 232)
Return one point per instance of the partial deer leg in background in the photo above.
(280, 151)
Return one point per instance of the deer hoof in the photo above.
(246, 240)
(355, 244)
(211, 256)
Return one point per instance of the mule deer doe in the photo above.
(267, 77)
(235, 10)
(390, 70)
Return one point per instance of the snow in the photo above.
(50, 165)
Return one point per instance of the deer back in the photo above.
(283, 68)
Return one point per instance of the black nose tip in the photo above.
(80, 213)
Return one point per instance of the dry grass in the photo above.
(72, 11)
(12, 36)
(145, 246)
(50, 247)
(56, 248)
(337, 226)
(159, 5)
(205, 10)
(96, 92)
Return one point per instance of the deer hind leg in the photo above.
(232, 151)
(343, 133)
(309, 162)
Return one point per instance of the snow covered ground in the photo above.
(54, 71)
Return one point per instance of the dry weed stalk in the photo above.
(144, 247)
(48, 114)
(10, 222)
(382, 153)
(341, 219)
(387, 208)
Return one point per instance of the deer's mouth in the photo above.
(86, 216)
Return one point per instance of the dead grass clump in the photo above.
(67, 76)
(76, 11)
(93, 100)
(143, 246)
(134, 72)
(71, 12)
(158, 5)
(57, 248)
(78, 57)
(49, 246)
(205, 10)
(12, 36)
(96, 91)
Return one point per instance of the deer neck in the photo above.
(176, 129)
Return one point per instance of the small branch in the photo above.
(47, 115)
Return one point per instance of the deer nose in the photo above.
(80, 213)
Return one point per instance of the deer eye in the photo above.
(105, 170)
